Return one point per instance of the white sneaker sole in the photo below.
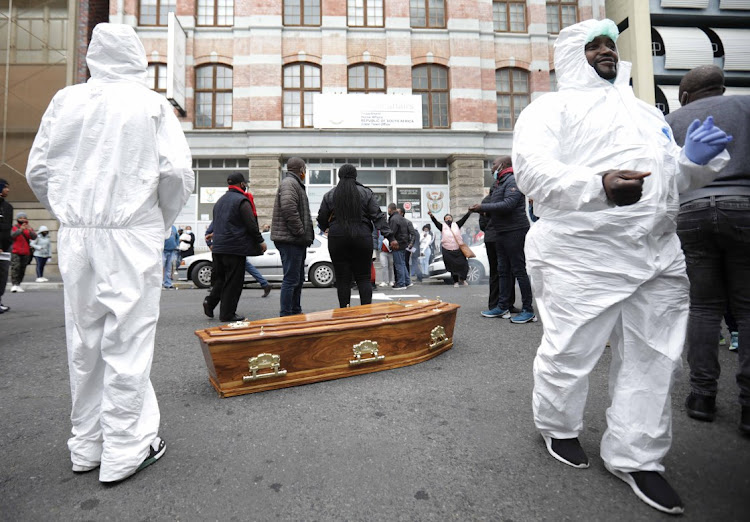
(627, 479)
(548, 443)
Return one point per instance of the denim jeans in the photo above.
(715, 236)
(169, 257)
(250, 269)
(399, 266)
(41, 262)
(293, 265)
(511, 267)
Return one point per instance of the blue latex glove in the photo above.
(704, 141)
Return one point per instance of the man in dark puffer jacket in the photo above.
(292, 232)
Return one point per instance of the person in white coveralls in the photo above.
(111, 163)
(604, 259)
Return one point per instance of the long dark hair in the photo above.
(347, 203)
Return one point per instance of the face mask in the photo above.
(448, 222)
(494, 174)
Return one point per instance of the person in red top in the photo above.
(21, 234)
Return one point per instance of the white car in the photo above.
(479, 267)
(318, 266)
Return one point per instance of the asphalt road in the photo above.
(449, 439)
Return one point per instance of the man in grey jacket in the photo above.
(292, 232)
(711, 225)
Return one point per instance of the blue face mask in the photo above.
(494, 174)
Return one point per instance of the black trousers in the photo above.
(352, 259)
(494, 298)
(227, 277)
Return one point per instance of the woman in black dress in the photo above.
(348, 213)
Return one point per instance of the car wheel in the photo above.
(321, 275)
(201, 275)
(475, 274)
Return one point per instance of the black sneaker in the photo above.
(207, 309)
(567, 451)
(266, 290)
(701, 407)
(652, 488)
(745, 420)
(155, 451)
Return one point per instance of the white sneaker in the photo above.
(40, 280)
(14, 288)
(45, 280)
(19, 289)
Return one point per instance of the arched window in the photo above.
(364, 13)
(213, 97)
(560, 14)
(215, 13)
(509, 17)
(302, 12)
(512, 95)
(154, 12)
(366, 78)
(301, 80)
(157, 77)
(427, 13)
(431, 82)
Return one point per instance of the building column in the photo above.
(264, 174)
(466, 178)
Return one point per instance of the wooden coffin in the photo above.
(253, 356)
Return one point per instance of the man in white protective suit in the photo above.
(112, 164)
(604, 260)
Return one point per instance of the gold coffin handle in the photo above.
(261, 362)
(365, 347)
(438, 338)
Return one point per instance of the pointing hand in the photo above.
(624, 187)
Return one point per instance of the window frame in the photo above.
(508, 4)
(366, 24)
(367, 89)
(427, 16)
(301, 90)
(429, 91)
(158, 5)
(560, 4)
(511, 93)
(301, 14)
(215, 14)
(156, 87)
(214, 91)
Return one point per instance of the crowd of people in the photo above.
(638, 244)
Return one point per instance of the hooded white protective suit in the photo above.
(602, 272)
(112, 164)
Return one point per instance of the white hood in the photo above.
(571, 67)
(116, 54)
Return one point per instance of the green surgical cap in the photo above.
(604, 27)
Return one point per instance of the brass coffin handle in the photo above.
(438, 338)
(365, 347)
(264, 361)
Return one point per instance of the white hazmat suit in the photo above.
(602, 272)
(112, 164)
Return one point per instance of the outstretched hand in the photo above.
(624, 187)
(704, 141)
(475, 208)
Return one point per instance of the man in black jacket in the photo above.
(401, 234)
(6, 223)
(507, 210)
(236, 236)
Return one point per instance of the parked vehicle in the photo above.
(318, 266)
(479, 267)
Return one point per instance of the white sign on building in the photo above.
(176, 49)
(367, 111)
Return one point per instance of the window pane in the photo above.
(203, 109)
(292, 11)
(311, 13)
(292, 77)
(204, 78)
(357, 77)
(518, 18)
(503, 112)
(291, 109)
(500, 16)
(425, 109)
(223, 77)
(439, 77)
(312, 77)
(148, 12)
(553, 19)
(151, 77)
(520, 81)
(308, 109)
(568, 15)
(440, 109)
(419, 78)
(418, 13)
(502, 80)
(437, 13)
(376, 77)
